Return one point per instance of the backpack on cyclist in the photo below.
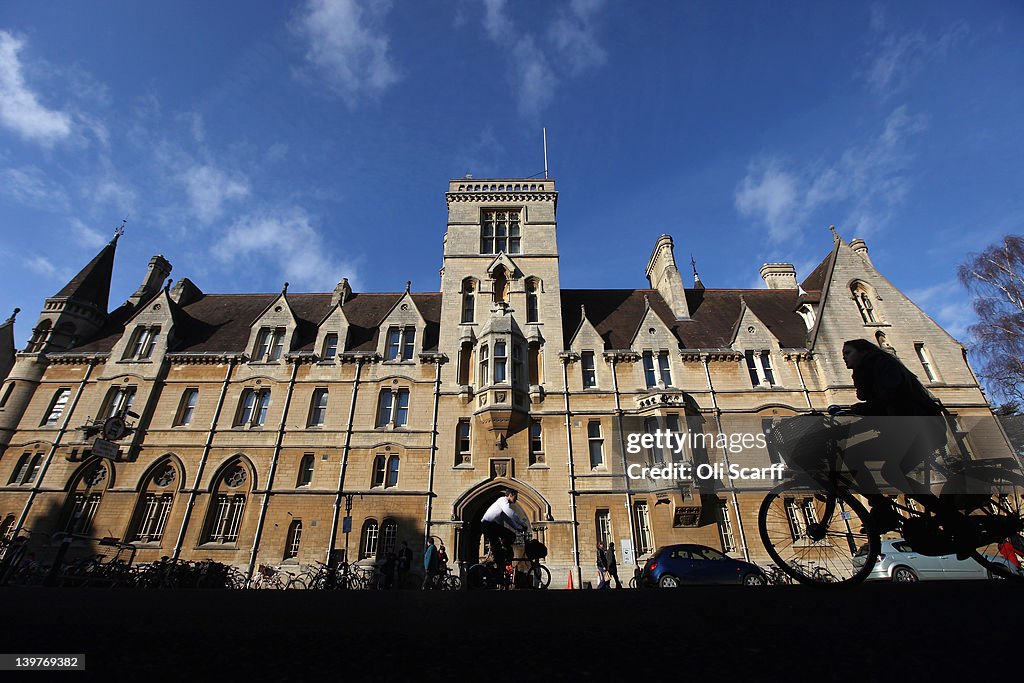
(535, 550)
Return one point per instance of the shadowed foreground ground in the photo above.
(943, 631)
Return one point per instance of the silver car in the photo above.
(898, 562)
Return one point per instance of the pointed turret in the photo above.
(91, 286)
(79, 310)
(7, 348)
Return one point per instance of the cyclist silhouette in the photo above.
(887, 389)
(492, 525)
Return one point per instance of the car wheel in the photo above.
(753, 579)
(903, 575)
(668, 581)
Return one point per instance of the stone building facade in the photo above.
(263, 421)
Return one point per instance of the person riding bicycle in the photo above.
(886, 389)
(493, 526)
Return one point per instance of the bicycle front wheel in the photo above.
(996, 519)
(540, 577)
(818, 538)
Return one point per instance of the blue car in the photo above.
(689, 564)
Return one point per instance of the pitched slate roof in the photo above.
(616, 314)
(221, 323)
(92, 284)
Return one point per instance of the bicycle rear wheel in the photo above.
(540, 577)
(995, 519)
(818, 538)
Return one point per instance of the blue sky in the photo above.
(254, 143)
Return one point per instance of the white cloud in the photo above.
(20, 110)
(897, 58)
(771, 194)
(948, 304)
(860, 188)
(31, 187)
(284, 240)
(43, 266)
(209, 188)
(571, 37)
(573, 33)
(496, 22)
(85, 236)
(346, 42)
(535, 82)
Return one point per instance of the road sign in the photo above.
(104, 449)
(346, 525)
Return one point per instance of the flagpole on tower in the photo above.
(545, 153)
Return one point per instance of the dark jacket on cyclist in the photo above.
(886, 387)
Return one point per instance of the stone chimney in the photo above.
(779, 275)
(185, 292)
(159, 270)
(343, 292)
(664, 276)
(860, 248)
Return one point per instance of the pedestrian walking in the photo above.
(431, 562)
(611, 566)
(602, 566)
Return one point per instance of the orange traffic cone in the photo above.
(570, 587)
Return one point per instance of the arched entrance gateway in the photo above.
(471, 505)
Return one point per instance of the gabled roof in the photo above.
(221, 323)
(617, 313)
(92, 284)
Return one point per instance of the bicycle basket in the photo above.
(806, 442)
(535, 550)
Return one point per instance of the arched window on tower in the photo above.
(532, 301)
(468, 300)
(39, 337)
(865, 302)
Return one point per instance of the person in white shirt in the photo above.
(495, 522)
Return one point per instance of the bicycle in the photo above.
(448, 581)
(774, 576)
(271, 577)
(486, 575)
(819, 533)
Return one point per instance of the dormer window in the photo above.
(807, 313)
(499, 232)
(269, 344)
(143, 340)
(330, 346)
(401, 343)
